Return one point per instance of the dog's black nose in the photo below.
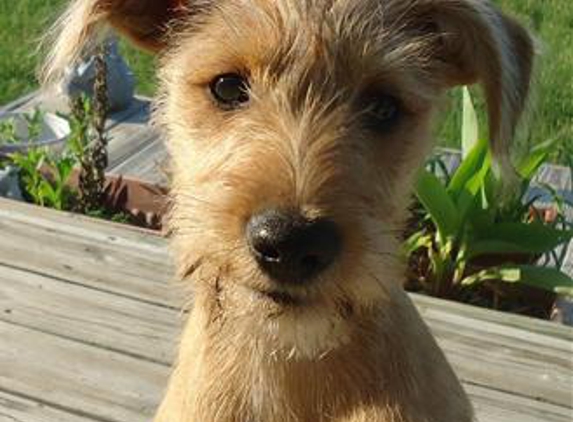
(291, 248)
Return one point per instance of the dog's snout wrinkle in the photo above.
(291, 248)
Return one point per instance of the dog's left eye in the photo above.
(382, 111)
(230, 90)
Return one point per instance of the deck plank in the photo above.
(103, 384)
(136, 150)
(110, 387)
(432, 307)
(150, 163)
(518, 357)
(136, 264)
(497, 406)
(487, 353)
(540, 364)
(127, 141)
(89, 316)
(21, 409)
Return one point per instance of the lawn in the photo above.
(22, 23)
(551, 109)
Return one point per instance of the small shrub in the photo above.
(471, 230)
(44, 177)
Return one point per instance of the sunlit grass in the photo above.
(551, 107)
(22, 22)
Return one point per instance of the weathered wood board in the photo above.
(89, 322)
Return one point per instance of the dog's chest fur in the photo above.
(228, 375)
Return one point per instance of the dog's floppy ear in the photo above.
(144, 22)
(476, 43)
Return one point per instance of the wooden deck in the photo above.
(89, 320)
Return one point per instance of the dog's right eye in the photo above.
(230, 90)
(382, 111)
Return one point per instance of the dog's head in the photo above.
(295, 129)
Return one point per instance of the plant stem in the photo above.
(95, 159)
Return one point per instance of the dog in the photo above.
(295, 130)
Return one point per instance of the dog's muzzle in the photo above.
(291, 248)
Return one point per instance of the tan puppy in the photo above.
(295, 128)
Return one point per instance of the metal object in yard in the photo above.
(9, 183)
(120, 79)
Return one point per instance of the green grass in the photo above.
(551, 109)
(22, 22)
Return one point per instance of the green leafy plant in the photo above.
(8, 132)
(8, 135)
(44, 177)
(472, 230)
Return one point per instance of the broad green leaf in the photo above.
(467, 205)
(472, 164)
(490, 188)
(437, 202)
(509, 274)
(64, 167)
(497, 247)
(528, 165)
(534, 237)
(477, 182)
(47, 191)
(479, 219)
(470, 198)
(550, 279)
(470, 128)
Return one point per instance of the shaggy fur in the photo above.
(350, 346)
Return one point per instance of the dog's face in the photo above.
(295, 129)
(328, 120)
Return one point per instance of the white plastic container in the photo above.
(53, 133)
